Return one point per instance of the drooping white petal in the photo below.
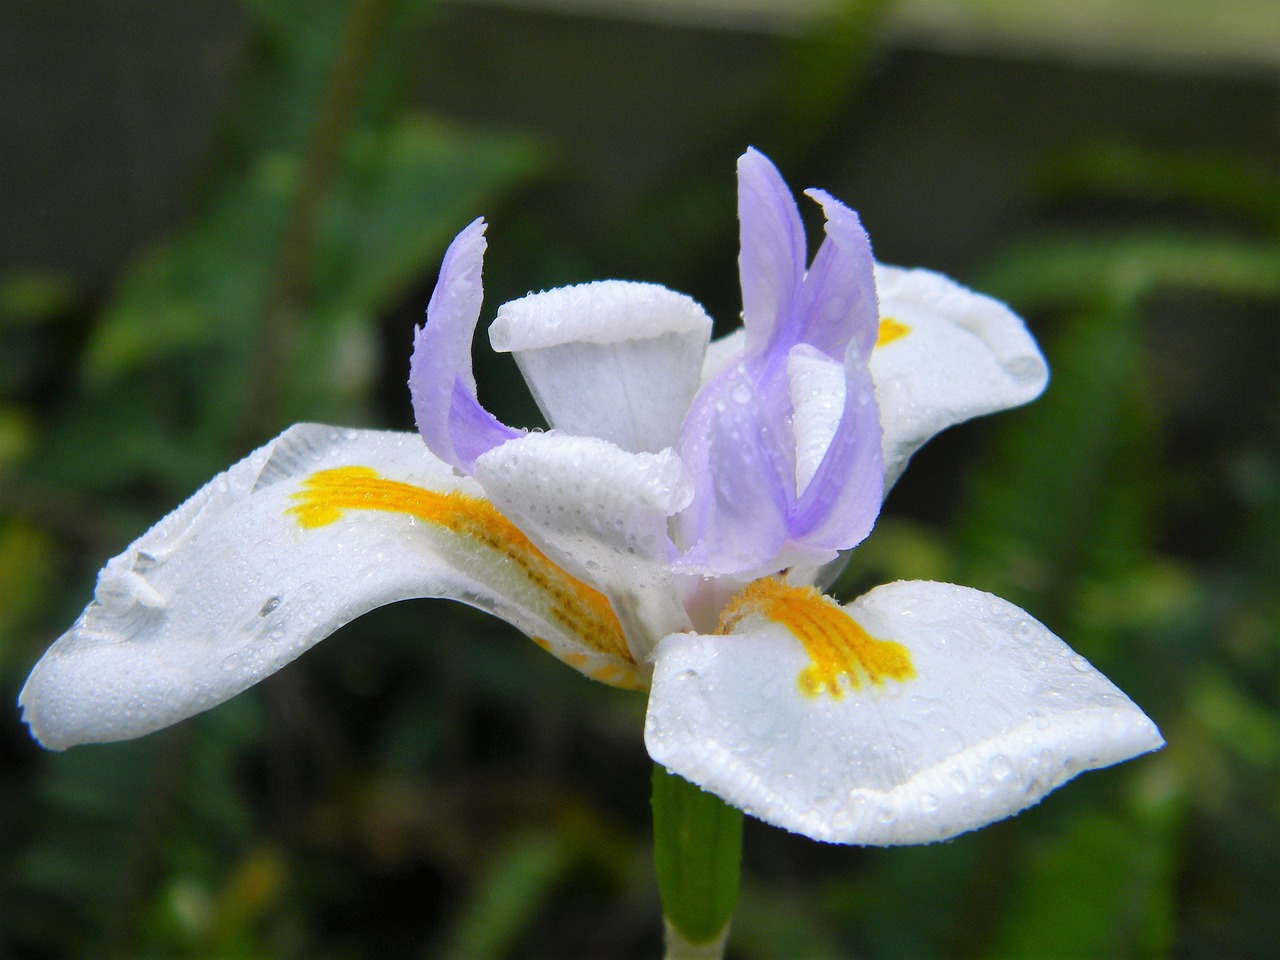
(612, 359)
(601, 513)
(953, 355)
(998, 713)
(241, 579)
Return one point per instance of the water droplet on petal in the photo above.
(1000, 768)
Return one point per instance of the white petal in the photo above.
(817, 397)
(233, 585)
(999, 712)
(615, 360)
(601, 513)
(720, 351)
(962, 355)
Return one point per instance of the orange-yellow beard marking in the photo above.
(841, 653)
(891, 330)
(581, 611)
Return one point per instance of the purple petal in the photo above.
(737, 439)
(771, 258)
(736, 444)
(841, 316)
(452, 422)
(840, 505)
(837, 301)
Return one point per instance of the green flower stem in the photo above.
(697, 851)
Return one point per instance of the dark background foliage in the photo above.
(219, 219)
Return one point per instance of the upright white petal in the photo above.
(602, 513)
(817, 397)
(997, 713)
(721, 351)
(612, 359)
(237, 582)
(946, 355)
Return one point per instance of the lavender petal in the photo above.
(452, 422)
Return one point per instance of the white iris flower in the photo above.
(666, 534)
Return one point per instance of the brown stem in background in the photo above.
(289, 291)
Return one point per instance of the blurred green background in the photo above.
(221, 218)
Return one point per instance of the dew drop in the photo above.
(928, 803)
(1000, 768)
(741, 394)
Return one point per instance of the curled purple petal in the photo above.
(840, 504)
(837, 300)
(737, 446)
(452, 422)
(841, 317)
(738, 440)
(771, 257)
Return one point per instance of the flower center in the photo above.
(501, 556)
(841, 653)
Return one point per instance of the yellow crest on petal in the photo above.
(580, 610)
(891, 330)
(841, 653)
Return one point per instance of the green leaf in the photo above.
(1104, 888)
(509, 892)
(1093, 271)
(1216, 181)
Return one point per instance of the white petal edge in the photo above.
(1000, 713)
(601, 512)
(602, 312)
(230, 587)
(963, 355)
(613, 359)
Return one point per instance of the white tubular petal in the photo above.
(953, 355)
(615, 360)
(817, 397)
(236, 582)
(602, 513)
(998, 713)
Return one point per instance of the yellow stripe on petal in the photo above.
(581, 611)
(841, 653)
(891, 330)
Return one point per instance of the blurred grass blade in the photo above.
(509, 891)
